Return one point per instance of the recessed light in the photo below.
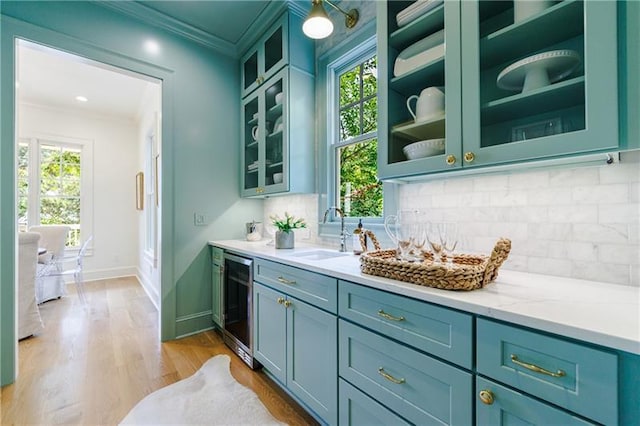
(152, 47)
(81, 99)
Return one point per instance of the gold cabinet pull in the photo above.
(535, 368)
(486, 396)
(389, 377)
(385, 315)
(283, 280)
(469, 157)
(280, 300)
(287, 303)
(451, 159)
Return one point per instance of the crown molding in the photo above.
(157, 19)
(268, 16)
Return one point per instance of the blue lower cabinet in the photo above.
(312, 358)
(497, 405)
(297, 344)
(270, 330)
(574, 376)
(416, 386)
(357, 409)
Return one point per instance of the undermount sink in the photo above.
(319, 254)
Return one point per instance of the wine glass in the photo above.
(434, 240)
(449, 240)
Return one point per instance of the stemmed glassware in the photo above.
(434, 240)
(449, 240)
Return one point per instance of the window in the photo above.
(50, 182)
(357, 188)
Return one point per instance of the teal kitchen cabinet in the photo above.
(217, 272)
(397, 82)
(356, 408)
(566, 54)
(277, 154)
(401, 354)
(296, 341)
(282, 44)
(572, 376)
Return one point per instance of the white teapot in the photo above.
(429, 103)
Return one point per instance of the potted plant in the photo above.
(285, 237)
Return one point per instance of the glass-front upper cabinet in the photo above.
(272, 116)
(267, 57)
(282, 44)
(420, 68)
(264, 117)
(539, 79)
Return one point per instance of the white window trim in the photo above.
(86, 180)
(357, 48)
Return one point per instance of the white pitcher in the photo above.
(429, 103)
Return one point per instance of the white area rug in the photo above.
(211, 396)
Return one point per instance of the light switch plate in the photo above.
(200, 219)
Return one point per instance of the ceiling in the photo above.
(53, 78)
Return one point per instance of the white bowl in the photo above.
(422, 149)
(277, 178)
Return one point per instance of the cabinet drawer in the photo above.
(356, 408)
(217, 255)
(442, 332)
(417, 387)
(573, 376)
(316, 289)
(510, 407)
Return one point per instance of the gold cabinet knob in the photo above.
(469, 157)
(258, 80)
(451, 159)
(287, 303)
(280, 300)
(486, 396)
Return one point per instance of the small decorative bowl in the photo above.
(426, 148)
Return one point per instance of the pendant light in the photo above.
(318, 25)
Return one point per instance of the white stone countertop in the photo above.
(600, 313)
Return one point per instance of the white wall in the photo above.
(115, 163)
(149, 117)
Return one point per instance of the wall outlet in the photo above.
(200, 219)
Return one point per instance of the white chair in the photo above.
(53, 239)
(29, 321)
(76, 272)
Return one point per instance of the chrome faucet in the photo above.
(343, 234)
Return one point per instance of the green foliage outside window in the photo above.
(360, 189)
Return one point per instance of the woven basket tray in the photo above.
(468, 272)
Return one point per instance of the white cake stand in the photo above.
(538, 70)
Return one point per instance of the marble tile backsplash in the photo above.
(581, 222)
(577, 222)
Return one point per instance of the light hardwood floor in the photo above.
(92, 366)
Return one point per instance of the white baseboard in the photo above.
(148, 287)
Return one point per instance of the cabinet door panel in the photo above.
(216, 294)
(412, 384)
(513, 408)
(575, 111)
(269, 330)
(577, 377)
(356, 408)
(312, 363)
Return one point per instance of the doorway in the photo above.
(111, 118)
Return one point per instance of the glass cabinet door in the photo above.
(267, 57)
(265, 138)
(539, 79)
(275, 96)
(420, 63)
(250, 144)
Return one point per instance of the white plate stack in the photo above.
(416, 10)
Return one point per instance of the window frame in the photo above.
(86, 179)
(346, 55)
